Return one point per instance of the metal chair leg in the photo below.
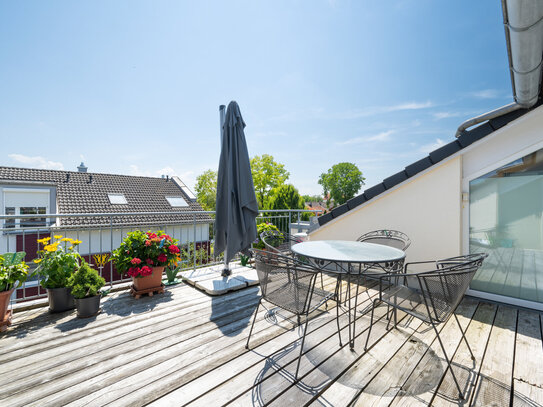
(371, 323)
(337, 321)
(301, 347)
(253, 324)
(464, 337)
(460, 394)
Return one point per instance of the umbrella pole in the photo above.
(226, 270)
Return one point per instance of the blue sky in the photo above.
(133, 87)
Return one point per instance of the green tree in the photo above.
(312, 198)
(285, 197)
(342, 181)
(267, 174)
(206, 189)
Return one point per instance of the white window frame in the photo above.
(18, 207)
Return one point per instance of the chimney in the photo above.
(82, 167)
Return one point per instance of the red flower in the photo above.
(146, 271)
(168, 238)
(151, 235)
(133, 271)
(162, 258)
(135, 261)
(173, 249)
(151, 262)
(147, 243)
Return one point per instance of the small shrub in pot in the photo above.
(85, 285)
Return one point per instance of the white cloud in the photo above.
(375, 110)
(431, 147)
(445, 115)
(485, 94)
(383, 136)
(36, 162)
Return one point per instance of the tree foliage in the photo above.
(312, 198)
(267, 174)
(285, 197)
(206, 189)
(342, 181)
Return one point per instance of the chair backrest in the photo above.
(387, 237)
(444, 288)
(284, 281)
(279, 242)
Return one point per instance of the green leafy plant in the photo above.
(12, 269)
(171, 273)
(140, 251)
(85, 282)
(244, 259)
(57, 261)
(192, 256)
(263, 227)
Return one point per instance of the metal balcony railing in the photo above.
(102, 233)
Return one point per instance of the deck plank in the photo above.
(383, 388)
(528, 367)
(420, 387)
(493, 386)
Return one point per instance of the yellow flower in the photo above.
(58, 236)
(37, 261)
(51, 248)
(76, 242)
(67, 239)
(70, 248)
(44, 240)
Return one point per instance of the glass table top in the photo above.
(348, 251)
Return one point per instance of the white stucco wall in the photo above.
(427, 208)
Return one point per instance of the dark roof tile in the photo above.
(83, 194)
(327, 217)
(340, 210)
(418, 166)
(395, 179)
(374, 191)
(357, 200)
(445, 151)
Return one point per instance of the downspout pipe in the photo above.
(487, 116)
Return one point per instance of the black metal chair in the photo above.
(387, 237)
(282, 243)
(432, 295)
(290, 285)
(279, 242)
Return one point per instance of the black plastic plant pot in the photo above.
(87, 307)
(60, 299)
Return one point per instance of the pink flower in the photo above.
(146, 271)
(162, 258)
(151, 262)
(173, 249)
(135, 261)
(147, 243)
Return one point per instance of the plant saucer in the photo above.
(174, 282)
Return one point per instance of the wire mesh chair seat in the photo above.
(431, 295)
(290, 285)
(387, 237)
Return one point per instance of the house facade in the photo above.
(98, 209)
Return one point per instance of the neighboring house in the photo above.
(316, 206)
(116, 204)
(483, 191)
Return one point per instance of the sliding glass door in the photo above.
(505, 220)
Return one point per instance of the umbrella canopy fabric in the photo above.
(237, 207)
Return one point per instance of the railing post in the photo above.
(111, 252)
(194, 241)
(299, 226)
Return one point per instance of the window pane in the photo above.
(506, 207)
(32, 222)
(9, 223)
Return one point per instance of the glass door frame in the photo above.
(465, 225)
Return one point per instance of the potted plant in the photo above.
(143, 256)
(12, 270)
(57, 261)
(85, 286)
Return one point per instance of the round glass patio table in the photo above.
(350, 259)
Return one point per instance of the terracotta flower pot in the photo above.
(87, 307)
(60, 299)
(4, 302)
(152, 281)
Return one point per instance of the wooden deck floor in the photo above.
(186, 348)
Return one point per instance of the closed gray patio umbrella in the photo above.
(236, 205)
